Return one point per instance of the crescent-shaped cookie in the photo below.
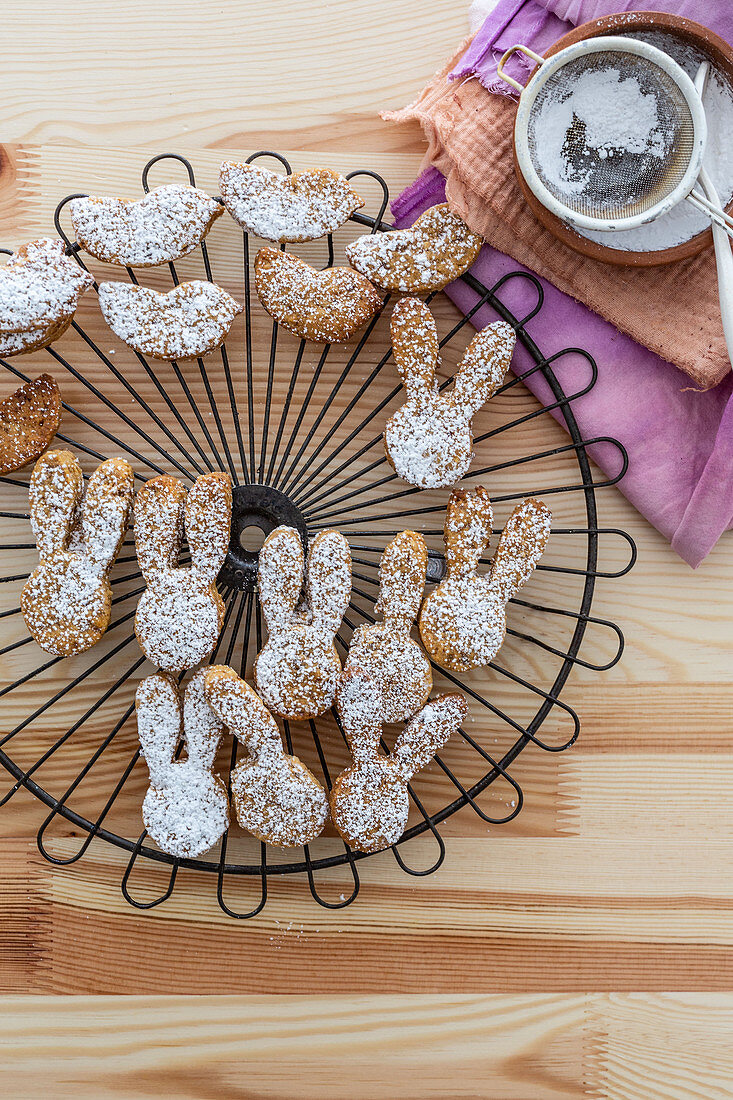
(433, 252)
(189, 321)
(18, 343)
(325, 306)
(29, 419)
(299, 207)
(162, 226)
(40, 287)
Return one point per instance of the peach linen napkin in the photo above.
(680, 440)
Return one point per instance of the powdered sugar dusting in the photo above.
(163, 225)
(299, 207)
(189, 321)
(29, 418)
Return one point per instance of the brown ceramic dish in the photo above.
(721, 57)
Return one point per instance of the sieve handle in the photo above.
(512, 50)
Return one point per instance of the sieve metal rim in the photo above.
(546, 68)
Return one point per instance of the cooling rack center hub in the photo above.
(256, 510)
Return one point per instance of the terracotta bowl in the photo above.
(721, 58)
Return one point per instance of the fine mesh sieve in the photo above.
(609, 133)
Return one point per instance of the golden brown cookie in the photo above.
(429, 441)
(299, 207)
(67, 598)
(433, 252)
(17, 343)
(180, 614)
(325, 306)
(385, 651)
(162, 226)
(189, 321)
(369, 801)
(275, 796)
(186, 808)
(40, 287)
(29, 419)
(298, 669)
(463, 620)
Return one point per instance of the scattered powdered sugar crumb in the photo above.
(39, 285)
(164, 225)
(299, 207)
(189, 321)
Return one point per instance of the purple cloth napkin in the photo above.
(679, 440)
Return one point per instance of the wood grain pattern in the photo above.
(514, 972)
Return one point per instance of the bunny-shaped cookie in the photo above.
(297, 671)
(369, 801)
(186, 808)
(66, 600)
(385, 650)
(428, 440)
(463, 621)
(275, 796)
(180, 614)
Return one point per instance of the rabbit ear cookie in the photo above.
(67, 598)
(324, 306)
(189, 321)
(433, 252)
(186, 809)
(369, 801)
(180, 614)
(40, 287)
(275, 795)
(298, 668)
(463, 620)
(162, 226)
(429, 440)
(299, 207)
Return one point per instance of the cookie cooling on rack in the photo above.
(324, 306)
(40, 287)
(186, 808)
(276, 797)
(463, 620)
(180, 614)
(429, 440)
(299, 207)
(29, 419)
(66, 600)
(433, 252)
(298, 668)
(369, 800)
(162, 226)
(188, 322)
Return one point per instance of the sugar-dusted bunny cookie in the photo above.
(325, 306)
(463, 620)
(67, 598)
(29, 419)
(40, 287)
(428, 441)
(299, 207)
(385, 650)
(163, 225)
(369, 801)
(275, 796)
(433, 252)
(298, 669)
(180, 614)
(186, 809)
(189, 321)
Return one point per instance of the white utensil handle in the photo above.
(505, 57)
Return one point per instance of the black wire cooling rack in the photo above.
(298, 426)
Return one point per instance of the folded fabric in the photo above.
(680, 441)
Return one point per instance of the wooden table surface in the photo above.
(582, 950)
